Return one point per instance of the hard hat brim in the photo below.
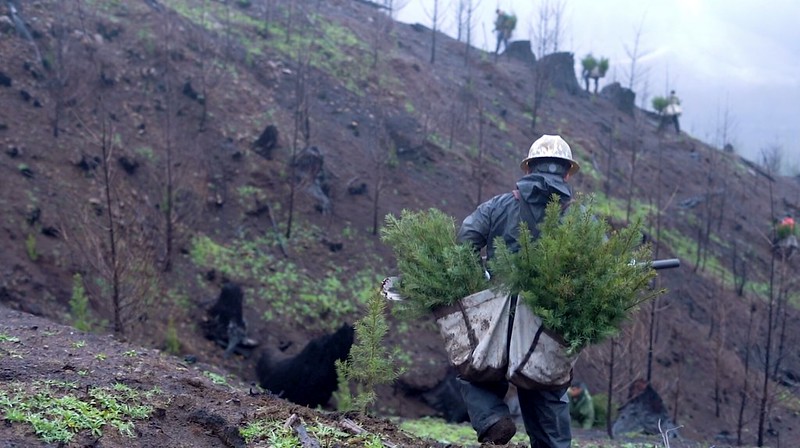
(574, 167)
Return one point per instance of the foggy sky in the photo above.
(743, 56)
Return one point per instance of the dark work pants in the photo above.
(545, 413)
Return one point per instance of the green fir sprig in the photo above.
(581, 278)
(435, 270)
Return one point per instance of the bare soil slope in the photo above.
(173, 95)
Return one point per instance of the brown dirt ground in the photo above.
(669, 170)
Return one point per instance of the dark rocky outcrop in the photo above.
(521, 50)
(267, 141)
(644, 412)
(559, 68)
(622, 98)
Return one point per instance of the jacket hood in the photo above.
(537, 188)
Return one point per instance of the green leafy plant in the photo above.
(6, 338)
(579, 277)
(59, 410)
(215, 378)
(435, 270)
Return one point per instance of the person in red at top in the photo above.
(785, 234)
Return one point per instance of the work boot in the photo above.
(499, 433)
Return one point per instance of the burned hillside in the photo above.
(156, 150)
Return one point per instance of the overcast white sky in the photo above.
(741, 53)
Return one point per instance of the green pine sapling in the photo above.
(579, 277)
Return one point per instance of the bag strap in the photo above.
(525, 214)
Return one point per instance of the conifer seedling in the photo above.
(582, 279)
(435, 270)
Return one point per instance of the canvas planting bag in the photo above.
(475, 332)
(538, 358)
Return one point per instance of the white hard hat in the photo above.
(552, 147)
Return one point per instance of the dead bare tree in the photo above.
(289, 19)
(541, 82)
(610, 390)
(746, 376)
(547, 27)
(478, 172)
(381, 26)
(763, 409)
(771, 159)
(383, 155)
(436, 21)
(785, 285)
(300, 127)
(469, 12)
(636, 54)
(169, 174)
(393, 6)
(636, 143)
(210, 71)
(718, 333)
(60, 75)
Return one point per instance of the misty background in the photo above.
(734, 61)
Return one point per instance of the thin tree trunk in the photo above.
(762, 413)
(609, 427)
(743, 392)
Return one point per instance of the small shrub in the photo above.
(30, 246)
(369, 364)
(660, 103)
(79, 305)
(172, 344)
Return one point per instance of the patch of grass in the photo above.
(6, 338)
(614, 208)
(275, 434)
(587, 167)
(58, 411)
(289, 290)
(215, 378)
(131, 353)
(448, 433)
(79, 344)
(497, 121)
(146, 152)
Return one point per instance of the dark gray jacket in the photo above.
(500, 215)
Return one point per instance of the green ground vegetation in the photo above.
(288, 290)
(59, 410)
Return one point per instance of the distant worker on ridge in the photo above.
(785, 235)
(504, 25)
(673, 110)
